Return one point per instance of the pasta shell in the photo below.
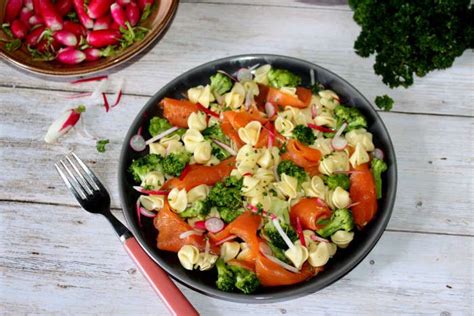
(188, 256)
(297, 255)
(178, 200)
(250, 133)
(284, 126)
(152, 202)
(359, 156)
(198, 193)
(202, 152)
(338, 198)
(191, 139)
(197, 121)
(362, 137)
(229, 250)
(153, 179)
(261, 74)
(342, 238)
(287, 186)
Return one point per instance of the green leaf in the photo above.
(384, 102)
(13, 45)
(101, 145)
(6, 30)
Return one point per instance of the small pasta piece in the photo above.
(266, 158)
(329, 99)
(337, 161)
(202, 95)
(169, 138)
(202, 152)
(265, 176)
(284, 126)
(315, 188)
(235, 97)
(205, 261)
(174, 146)
(264, 200)
(178, 200)
(297, 255)
(289, 90)
(152, 202)
(342, 239)
(319, 254)
(323, 145)
(359, 156)
(244, 251)
(153, 180)
(325, 118)
(362, 137)
(261, 74)
(157, 149)
(188, 256)
(287, 186)
(197, 193)
(299, 116)
(229, 250)
(251, 88)
(250, 133)
(197, 121)
(191, 139)
(338, 198)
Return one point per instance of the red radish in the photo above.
(19, 29)
(103, 38)
(75, 28)
(319, 239)
(123, 3)
(63, 124)
(118, 14)
(200, 225)
(35, 20)
(12, 10)
(98, 78)
(28, 4)
(106, 102)
(133, 13)
(98, 8)
(103, 23)
(115, 26)
(63, 6)
(50, 15)
(70, 56)
(82, 15)
(137, 143)
(66, 38)
(33, 38)
(299, 231)
(93, 54)
(147, 213)
(36, 7)
(25, 15)
(214, 224)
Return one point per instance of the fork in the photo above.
(94, 198)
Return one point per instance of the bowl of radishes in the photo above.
(79, 37)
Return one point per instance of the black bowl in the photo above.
(344, 261)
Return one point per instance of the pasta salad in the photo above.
(257, 177)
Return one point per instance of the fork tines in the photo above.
(79, 179)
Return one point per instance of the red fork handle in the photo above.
(169, 293)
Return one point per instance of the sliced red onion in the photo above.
(147, 213)
(339, 143)
(265, 249)
(378, 153)
(282, 233)
(231, 237)
(188, 233)
(320, 202)
(299, 231)
(150, 192)
(281, 263)
(226, 74)
(353, 204)
(314, 111)
(161, 135)
(200, 225)
(226, 147)
(311, 76)
(319, 239)
(214, 224)
(137, 142)
(244, 74)
(269, 109)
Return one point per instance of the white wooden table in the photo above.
(57, 259)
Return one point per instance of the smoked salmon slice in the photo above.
(277, 97)
(362, 191)
(303, 156)
(178, 111)
(309, 211)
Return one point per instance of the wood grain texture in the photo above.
(432, 169)
(205, 31)
(78, 266)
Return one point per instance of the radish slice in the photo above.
(231, 237)
(282, 233)
(314, 111)
(147, 213)
(269, 109)
(214, 224)
(281, 263)
(150, 192)
(226, 147)
(200, 225)
(339, 143)
(188, 233)
(299, 231)
(378, 153)
(161, 135)
(98, 78)
(63, 124)
(244, 74)
(317, 238)
(137, 143)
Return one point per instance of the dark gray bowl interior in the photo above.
(344, 261)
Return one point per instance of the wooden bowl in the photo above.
(157, 22)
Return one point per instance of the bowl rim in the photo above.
(127, 54)
(305, 288)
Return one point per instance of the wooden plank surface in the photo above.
(77, 266)
(205, 31)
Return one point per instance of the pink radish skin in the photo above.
(63, 124)
(66, 38)
(35, 20)
(115, 26)
(82, 15)
(19, 29)
(25, 15)
(63, 6)
(92, 54)
(12, 10)
(75, 28)
(36, 7)
(133, 13)
(98, 8)
(118, 14)
(50, 15)
(33, 37)
(103, 38)
(71, 56)
(28, 4)
(123, 3)
(103, 23)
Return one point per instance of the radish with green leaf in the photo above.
(63, 124)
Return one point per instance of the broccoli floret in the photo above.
(173, 164)
(351, 116)
(199, 208)
(220, 83)
(304, 134)
(100, 145)
(337, 180)
(158, 125)
(274, 236)
(277, 252)
(219, 152)
(225, 277)
(341, 219)
(384, 102)
(215, 132)
(283, 78)
(225, 195)
(378, 166)
(245, 280)
(141, 166)
(289, 168)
